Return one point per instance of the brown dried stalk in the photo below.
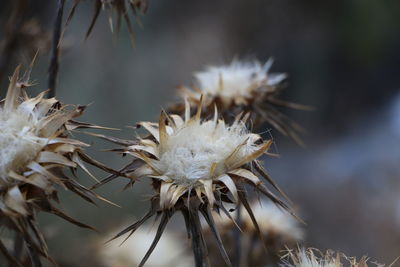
(55, 53)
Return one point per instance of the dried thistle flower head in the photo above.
(279, 229)
(121, 7)
(314, 258)
(239, 82)
(197, 166)
(243, 86)
(170, 251)
(34, 149)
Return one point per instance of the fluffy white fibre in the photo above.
(304, 259)
(308, 259)
(19, 141)
(170, 251)
(314, 258)
(192, 149)
(237, 79)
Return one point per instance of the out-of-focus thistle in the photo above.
(35, 148)
(197, 166)
(279, 229)
(314, 258)
(243, 86)
(171, 251)
(121, 7)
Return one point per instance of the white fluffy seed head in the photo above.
(192, 149)
(19, 141)
(238, 80)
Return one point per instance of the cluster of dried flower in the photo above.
(200, 164)
(197, 166)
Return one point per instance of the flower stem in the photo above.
(237, 239)
(54, 60)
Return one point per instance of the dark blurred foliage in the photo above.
(21, 33)
(342, 57)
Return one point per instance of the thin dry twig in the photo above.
(54, 61)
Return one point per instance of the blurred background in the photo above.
(342, 58)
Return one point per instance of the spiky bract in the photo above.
(121, 7)
(280, 230)
(196, 166)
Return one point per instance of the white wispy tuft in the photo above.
(20, 140)
(314, 258)
(238, 81)
(192, 149)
